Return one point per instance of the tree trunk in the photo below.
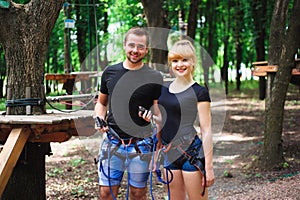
(2, 71)
(225, 64)
(156, 20)
(24, 34)
(238, 42)
(192, 19)
(259, 10)
(283, 47)
(67, 43)
(81, 35)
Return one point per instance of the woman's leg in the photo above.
(193, 185)
(177, 190)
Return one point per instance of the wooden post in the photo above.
(9, 96)
(28, 178)
(262, 87)
(10, 154)
(28, 95)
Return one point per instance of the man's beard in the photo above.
(134, 62)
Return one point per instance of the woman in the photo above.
(181, 101)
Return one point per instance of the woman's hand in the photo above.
(145, 114)
(210, 177)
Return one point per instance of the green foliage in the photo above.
(2, 105)
(78, 191)
(78, 161)
(22, 1)
(217, 21)
(229, 161)
(285, 165)
(55, 172)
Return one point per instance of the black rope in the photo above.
(70, 111)
(25, 102)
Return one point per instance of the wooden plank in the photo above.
(268, 68)
(259, 73)
(260, 63)
(53, 117)
(296, 71)
(52, 137)
(59, 77)
(10, 154)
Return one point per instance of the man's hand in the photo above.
(100, 124)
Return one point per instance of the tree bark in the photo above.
(2, 72)
(156, 18)
(259, 10)
(192, 19)
(238, 42)
(283, 47)
(81, 35)
(24, 34)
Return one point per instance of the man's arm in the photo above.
(101, 109)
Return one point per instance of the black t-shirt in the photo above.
(127, 90)
(179, 110)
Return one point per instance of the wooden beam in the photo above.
(268, 68)
(260, 63)
(10, 154)
(53, 137)
(296, 71)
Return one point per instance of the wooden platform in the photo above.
(16, 130)
(261, 68)
(51, 127)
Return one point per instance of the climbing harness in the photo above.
(112, 135)
(192, 155)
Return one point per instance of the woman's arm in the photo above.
(204, 113)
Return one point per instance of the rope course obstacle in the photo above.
(262, 69)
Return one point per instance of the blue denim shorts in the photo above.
(181, 162)
(114, 160)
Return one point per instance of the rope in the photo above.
(25, 102)
(70, 111)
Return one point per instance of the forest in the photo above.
(232, 37)
(234, 33)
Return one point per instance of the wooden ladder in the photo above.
(10, 152)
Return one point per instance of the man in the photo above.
(125, 87)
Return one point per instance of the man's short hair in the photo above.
(138, 31)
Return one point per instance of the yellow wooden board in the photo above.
(10, 154)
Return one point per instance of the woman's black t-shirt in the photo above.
(179, 110)
(127, 90)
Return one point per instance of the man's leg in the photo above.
(105, 192)
(138, 193)
(138, 173)
(110, 172)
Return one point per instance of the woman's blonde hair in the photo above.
(182, 49)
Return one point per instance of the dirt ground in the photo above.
(71, 172)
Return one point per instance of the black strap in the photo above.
(25, 102)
